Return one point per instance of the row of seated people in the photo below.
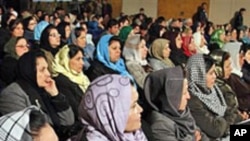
(34, 86)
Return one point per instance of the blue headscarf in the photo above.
(102, 54)
(39, 29)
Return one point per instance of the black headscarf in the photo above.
(27, 79)
(163, 92)
(44, 40)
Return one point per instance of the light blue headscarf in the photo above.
(39, 29)
(102, 54)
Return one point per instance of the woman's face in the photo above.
(32, 24)
(143, 49)
(67, 31)
(227, 68)
(178, 41)
(76, 62)
(223, 37)
(134, 117)
(54, 38)
(210, 77)
(81, 40)
(46, 133)
(166, 51)
(21, 47)
(18, 31)
(191, 45)
(114, 51)
(42, 72)
(185, 96)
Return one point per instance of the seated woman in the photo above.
(28, 124)
(207, 103)
(14, 49)
(135, 53)
(223, 71)
(110, 111)
(68, 69)
(177, 55)
(49, 43)
(88, 49)
(108, 58)
(160, 52)
(167, 93)
(34, 86)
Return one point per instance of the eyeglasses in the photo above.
(55, 35)
(23, 46)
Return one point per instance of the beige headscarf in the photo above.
(156, 51)
(61, 65)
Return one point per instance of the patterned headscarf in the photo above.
(156, 51)
(15, 126)
(163, 91)
(102, 54)
(212, 98)
(61, 65)
(104, 109)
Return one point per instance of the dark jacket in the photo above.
(98, 69)
(8, 70)
(231, 100)
(242, 90)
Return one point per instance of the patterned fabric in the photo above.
(212, 98)
(104, 109)
(61, 65)
(102, 54)
(13, 126)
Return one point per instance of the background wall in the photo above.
(132, 7)
(178, 8)
(221, 11)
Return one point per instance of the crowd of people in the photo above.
(84, 76)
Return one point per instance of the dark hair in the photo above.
(209, 62)
(26, 22)
(73, 50)
(114, 38)
(111, 23)
(61, 29)
(78, 31)
(37, 121)
(242, 9)
(244, 48)
(13, 24)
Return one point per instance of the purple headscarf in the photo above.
(105, 107)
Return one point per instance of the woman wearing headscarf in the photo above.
(166, 92)
(65, 31)
(207, 103)
(34, 86)
(188, 45)
(177, 55)
(70, 79)
(223, 72)
(231, 82)
(49, 43)
(14, 49)
(110, 111)
(218, 38)
(28, 124)
(108, 58)
(135, 53)
(160, 52)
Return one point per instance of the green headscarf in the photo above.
(124, 32)
(215, 37)
(9, 48)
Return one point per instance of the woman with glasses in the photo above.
(49, 43)
(13, 49)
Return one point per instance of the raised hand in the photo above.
(51, 87)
